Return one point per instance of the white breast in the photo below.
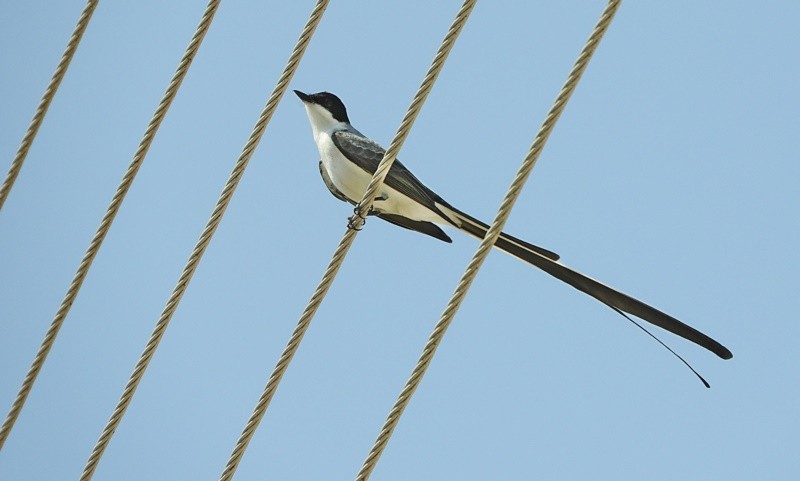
(345, 175)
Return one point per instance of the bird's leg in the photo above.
(358, 212)
(352, 223)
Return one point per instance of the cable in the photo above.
(203, 241)
(354, 225)
(108, 218)
(487, 243)
(44, 104)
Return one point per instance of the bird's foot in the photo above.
(354, 224)
(358, 213)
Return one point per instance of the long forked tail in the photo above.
(546, 261)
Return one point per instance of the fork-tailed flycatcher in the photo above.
(348, 161)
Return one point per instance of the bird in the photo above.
(348, 160)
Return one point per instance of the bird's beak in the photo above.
(304, 97)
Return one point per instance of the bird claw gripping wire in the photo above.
(358, 213)
(351, 223)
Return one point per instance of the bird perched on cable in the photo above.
(348, 161)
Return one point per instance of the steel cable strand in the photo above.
(44, 104)
(108, 218)
(354, 225)
(203, 241)
(487, 243)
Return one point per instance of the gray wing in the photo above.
(367, 155)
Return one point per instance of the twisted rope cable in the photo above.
(344, 245)
(205, 238)
(44, 104)
(108, 218)
(416, 104)
(487, 243)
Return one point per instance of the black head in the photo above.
(328, 101)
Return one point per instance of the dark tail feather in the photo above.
(510, 244)
(545, 260)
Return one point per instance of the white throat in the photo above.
(322, 121)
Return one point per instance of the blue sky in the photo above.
(672, 175)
